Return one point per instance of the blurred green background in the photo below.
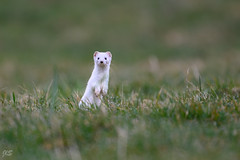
(155, 37)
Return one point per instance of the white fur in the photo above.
(97, 85)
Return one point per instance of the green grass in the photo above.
(155, 109)
(133, 123)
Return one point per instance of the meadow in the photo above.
(174, 83)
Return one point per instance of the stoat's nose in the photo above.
(101, 61)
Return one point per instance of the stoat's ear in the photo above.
(95, 54)
(109, 54)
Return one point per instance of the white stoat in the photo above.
(97, 85)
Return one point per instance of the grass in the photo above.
(156, 109)
(199, 121)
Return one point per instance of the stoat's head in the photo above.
(102, 59)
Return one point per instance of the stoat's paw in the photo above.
(97, 91)
(104, 91)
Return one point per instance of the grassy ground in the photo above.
(174, 87)
(178, 116)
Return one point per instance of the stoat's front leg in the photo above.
(105, 87)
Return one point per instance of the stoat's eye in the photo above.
(98, 58)
(105, 58)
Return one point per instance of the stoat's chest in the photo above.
(101, 77)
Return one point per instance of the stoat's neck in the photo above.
(100, 73)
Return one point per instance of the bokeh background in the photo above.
(151, 40)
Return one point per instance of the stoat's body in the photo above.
(97, 85)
